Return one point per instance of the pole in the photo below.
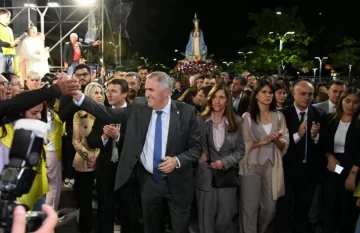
(320, 70)
(280, 49)
(61, 44)
(102, 32)
(42, 19)
(120, 45)
(350, 71)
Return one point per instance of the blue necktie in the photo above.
(157, 148)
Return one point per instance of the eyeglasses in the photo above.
(81, 75)
(5, 84)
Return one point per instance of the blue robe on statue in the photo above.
(203, 48)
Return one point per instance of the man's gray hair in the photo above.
(164, 79)
(133, 74)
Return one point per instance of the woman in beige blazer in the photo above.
(266, 140)
(85, 158)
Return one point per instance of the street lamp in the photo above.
(350, 70)
(320, 65)
(227, 63)
(314, 69)
(281, 43)
(245, 54)
(176, 50)
(278, 12)
(145, 59)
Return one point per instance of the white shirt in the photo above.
(340, 136)
(296, 136)
(105, 141)
(147, 155)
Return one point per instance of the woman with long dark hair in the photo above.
(340, 142)
(261, 172)
(222, 139)
(40, 185)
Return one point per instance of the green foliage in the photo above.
(347, 53)
(269, 29)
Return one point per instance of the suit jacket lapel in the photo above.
(226, 140)
(145, 121)
(310, 118)
(174, 125)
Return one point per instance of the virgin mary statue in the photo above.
(196, 48)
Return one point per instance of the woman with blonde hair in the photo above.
(85, 158)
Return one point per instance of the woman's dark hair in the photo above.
(339, 107)
(253, 105)
(279, 86)
(14, 116)
(229, 110)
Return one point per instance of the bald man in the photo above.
(302, 162)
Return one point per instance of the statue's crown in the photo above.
(196, 18)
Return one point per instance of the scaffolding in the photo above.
(58, 22)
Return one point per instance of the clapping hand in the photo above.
(314, 129)
(111, 131)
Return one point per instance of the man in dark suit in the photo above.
(162, 141)
(335, 89)
(110, 140)
(241, 97)
(302, 162)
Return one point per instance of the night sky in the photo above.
(158, 27)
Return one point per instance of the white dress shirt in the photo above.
(147, 155)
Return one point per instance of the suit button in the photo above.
(85, 127)
(131, 168)
(136, 157)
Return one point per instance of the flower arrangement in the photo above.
(185, 68)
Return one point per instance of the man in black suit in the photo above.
(110, 140)
(241, 97)
(162, 141)
(302, 162)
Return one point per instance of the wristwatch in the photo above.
(353, 172)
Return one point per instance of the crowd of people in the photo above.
(273, 154)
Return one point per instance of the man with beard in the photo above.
(67, 109)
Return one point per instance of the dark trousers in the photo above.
(339, 205)
(292, 209)
(68, 152)
(108, 200)
(152, 196)
(83, 195)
